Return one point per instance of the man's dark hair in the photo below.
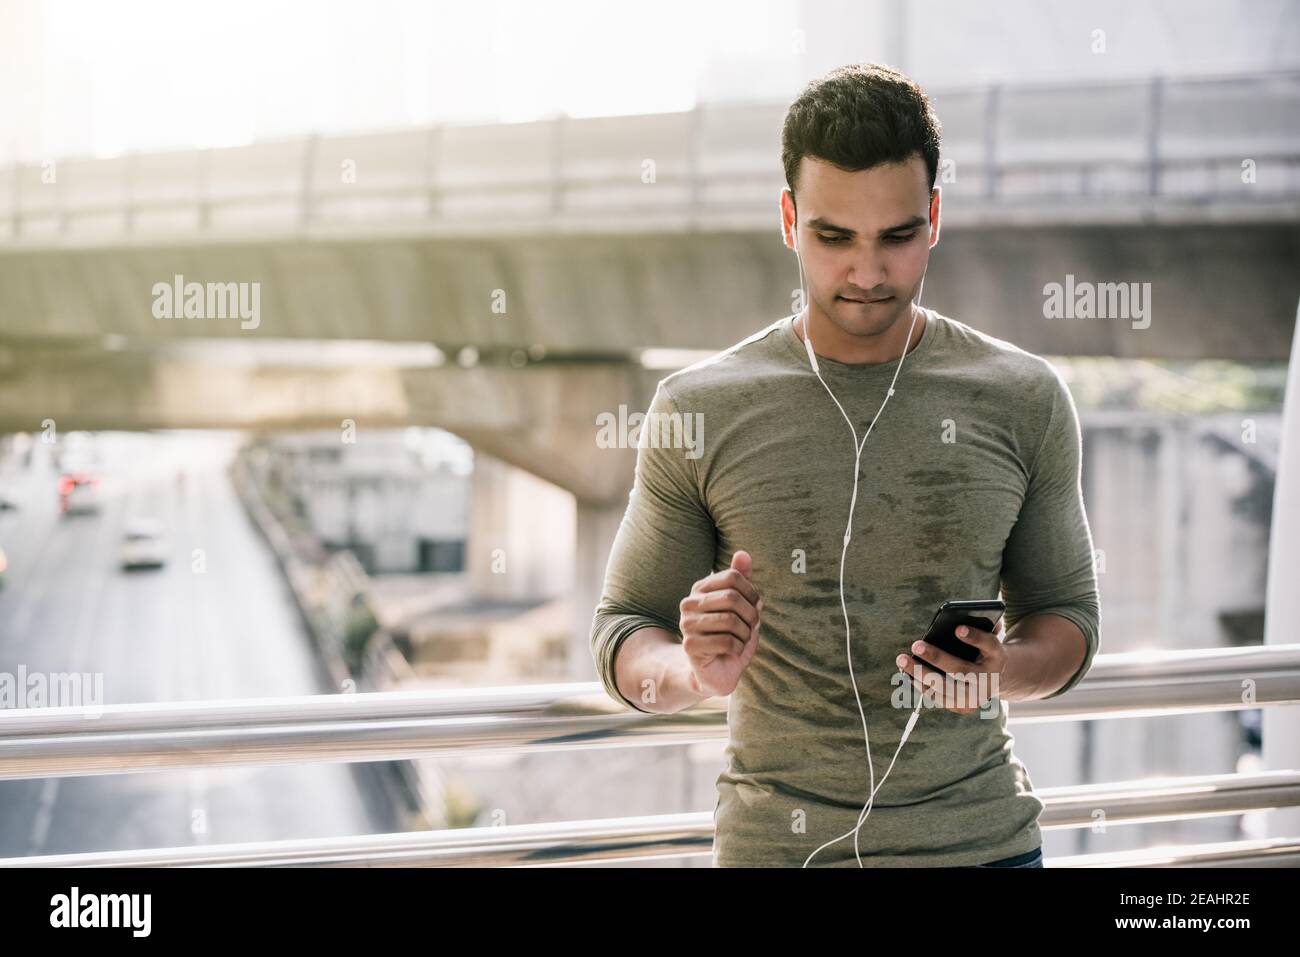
(857, 117)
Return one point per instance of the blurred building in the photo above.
(398, 499)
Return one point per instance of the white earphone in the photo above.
(848, 535)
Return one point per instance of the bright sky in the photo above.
(150, 74)
(94, 77)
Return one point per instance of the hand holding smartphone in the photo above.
(983, 615)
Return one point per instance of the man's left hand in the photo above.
(943, 689)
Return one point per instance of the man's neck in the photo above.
(830, 343)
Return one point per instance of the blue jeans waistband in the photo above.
(1032, 858)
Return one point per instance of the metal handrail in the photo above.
(114, 739)
(1267, 852)
(691, 834)
(326, 195)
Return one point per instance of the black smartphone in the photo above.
(942, 633)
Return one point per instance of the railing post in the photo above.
(61, 197)
(991, 111)
(205, 190)
(1155, 107)
(432, 172)
(694, 147)
(305, 211)
(16, 225)
(128, 212)
(557, 164)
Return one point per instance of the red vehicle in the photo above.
(78, 492)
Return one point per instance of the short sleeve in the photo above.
(1047, 564)
(665, 543)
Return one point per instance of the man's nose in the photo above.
(868, 272)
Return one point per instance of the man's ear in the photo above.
(935, 197)
(788, 218)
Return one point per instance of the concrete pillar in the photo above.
(520, 534)
(1281, 726)
(597, 524)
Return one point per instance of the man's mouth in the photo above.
(865, 302)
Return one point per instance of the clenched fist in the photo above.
(719, 625)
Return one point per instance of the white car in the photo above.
(143, 545)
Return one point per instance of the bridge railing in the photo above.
(56, 742)
(1104, 150)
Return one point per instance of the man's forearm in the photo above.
(652, 671)
(1043, 653)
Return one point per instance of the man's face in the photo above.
(863, 236)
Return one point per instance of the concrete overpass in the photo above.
(603, 236)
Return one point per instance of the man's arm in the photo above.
(653, 658)
(1044, 652)
(1049, 579)
(666, 542)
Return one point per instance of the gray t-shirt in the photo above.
(969, 489)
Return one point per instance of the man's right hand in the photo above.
(719, 625)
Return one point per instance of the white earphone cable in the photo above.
(848, 534)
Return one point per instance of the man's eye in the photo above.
(898, 240)
(830, 240)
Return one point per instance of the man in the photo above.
(725, 575)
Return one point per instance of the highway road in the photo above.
(216, 621)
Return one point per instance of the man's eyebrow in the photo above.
(827, 226)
